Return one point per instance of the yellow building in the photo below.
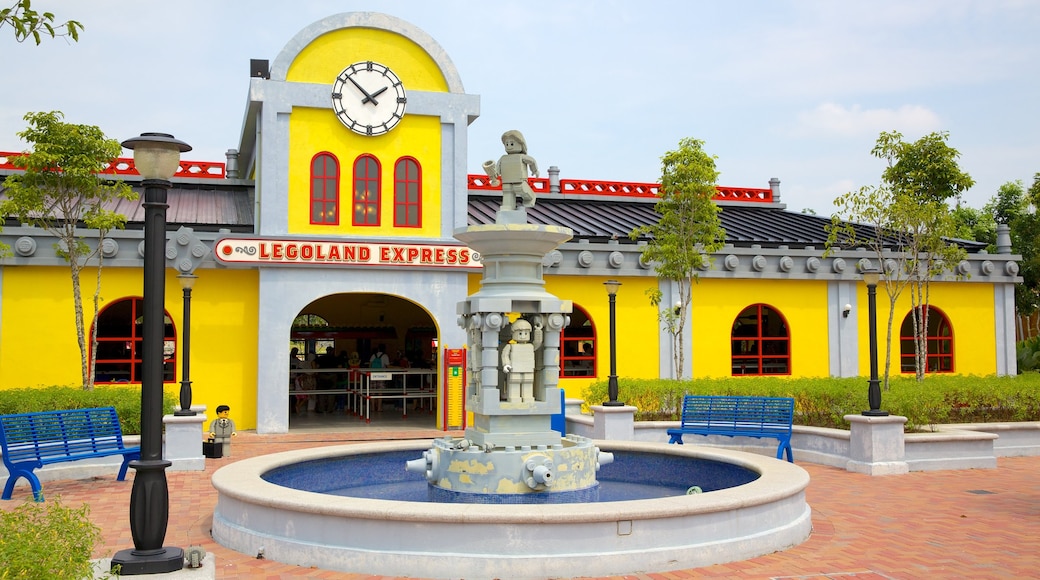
(331, 227)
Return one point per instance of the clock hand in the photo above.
(368, 97)
(373, 96)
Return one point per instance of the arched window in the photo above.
(366, 191)
(578, 343)
(407, 193)
(939, 358)
(118, 356)
(760, 342)
(324, 189)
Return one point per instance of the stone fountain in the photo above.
(511, 454)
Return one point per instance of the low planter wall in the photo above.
(1014, 439)
(954, 446)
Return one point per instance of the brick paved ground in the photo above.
(976, 524)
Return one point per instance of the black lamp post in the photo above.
(156, 157)
(612, 386)
(187, 283)
(871, 277)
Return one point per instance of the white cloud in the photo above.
(831, 119)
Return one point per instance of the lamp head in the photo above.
(846, 310)
(612, 286)
(156, 155)
(187, 281)
(871, 276)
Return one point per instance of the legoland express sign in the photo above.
(317, 252)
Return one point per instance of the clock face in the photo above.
(368, 98)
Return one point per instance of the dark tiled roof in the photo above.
(201, 207)
(745, 225)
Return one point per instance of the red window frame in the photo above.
(581, 332)
(758, 349)
(367, 188)
(939, 358)
(407, 193)
(324, 200)
(119, 336)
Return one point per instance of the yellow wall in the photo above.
(314, 131)
(38, 334)
(716, 304)
(408, 60)
(970, 310)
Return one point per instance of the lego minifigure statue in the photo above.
(518, 360)
(222, 429)
(511, 170)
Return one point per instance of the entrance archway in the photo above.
(334, 381)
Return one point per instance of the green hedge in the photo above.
(824, 402)
(126, 400)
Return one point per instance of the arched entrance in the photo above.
(362, 360)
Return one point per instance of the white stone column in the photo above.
(183, 442)
(876, 445)
(617, 423)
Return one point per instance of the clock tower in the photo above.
(356, 140)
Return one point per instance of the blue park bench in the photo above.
(32, 440)
(737, 416)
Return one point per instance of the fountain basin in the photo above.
(432, 540)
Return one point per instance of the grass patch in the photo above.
(47, 540)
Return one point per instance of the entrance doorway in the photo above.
(363, 361)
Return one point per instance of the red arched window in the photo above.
(366, 191)
(939, 357)
(407, 193)
(578, 344)
(760, 343)
(118, 354)
(324, 189)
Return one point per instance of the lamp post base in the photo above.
(132, 562)
(613, 404)
(875, 413)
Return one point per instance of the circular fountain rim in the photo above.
(243, 481)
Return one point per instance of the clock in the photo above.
(369, 98)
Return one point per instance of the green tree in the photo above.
(927, 174)
(687, 233)
(912, 208)
(1025, 240)
(61, 189)
(28, 22)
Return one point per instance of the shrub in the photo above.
(824, 402)
(1028, 354)
(47, 540)
(126, 400)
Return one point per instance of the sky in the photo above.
(798, 90)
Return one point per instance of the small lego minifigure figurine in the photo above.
(518, 360)
(222, 429)
(511, 170)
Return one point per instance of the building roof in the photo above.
(746, 224)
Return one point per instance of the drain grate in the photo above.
(981, 491)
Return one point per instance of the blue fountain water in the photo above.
(630, 476)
